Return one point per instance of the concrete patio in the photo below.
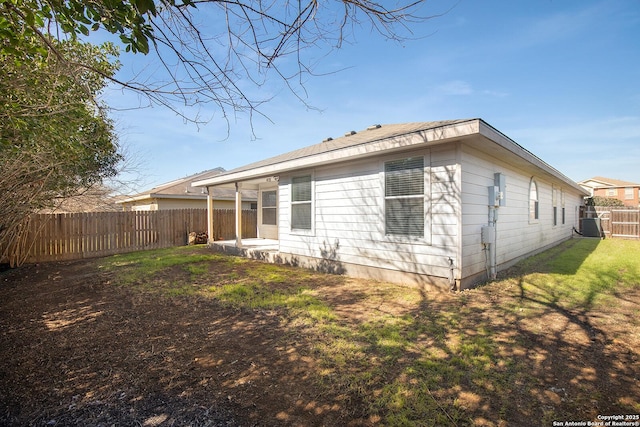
(262, 249)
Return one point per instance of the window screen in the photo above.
(628, 193)
(269, 208)
(301, 203)
(533, 201)
(554, 203)
(562, 202)
(404, 197)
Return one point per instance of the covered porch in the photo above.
(266, 235)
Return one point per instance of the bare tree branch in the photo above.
(223, 51)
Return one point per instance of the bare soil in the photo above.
(77, 350)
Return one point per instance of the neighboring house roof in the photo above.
(183, 189)
(380, 139)
(602, 182)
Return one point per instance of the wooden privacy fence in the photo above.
(620, 223)
(56, 237)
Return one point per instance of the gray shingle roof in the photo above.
(366, 136)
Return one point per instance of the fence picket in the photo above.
(619, 223)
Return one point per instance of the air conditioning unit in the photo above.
(591, 227)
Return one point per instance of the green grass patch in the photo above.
(138, 267)
(582, 273)
(259, 295)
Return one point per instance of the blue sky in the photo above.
(561, 78)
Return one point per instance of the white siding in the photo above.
(349, 217)
(516, 235)
(445, 201)
(348, 214)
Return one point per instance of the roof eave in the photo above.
(135, 198)
(507, 143)
(427, 137)
(163, 196)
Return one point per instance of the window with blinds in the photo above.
(404, 197)
(269, 208)
(301, 203)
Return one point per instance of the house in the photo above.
(181, 194)
(627, 192)
(438, 204)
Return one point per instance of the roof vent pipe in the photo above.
(374, 127)
(353, 132)
(327, 139)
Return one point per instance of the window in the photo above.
(404, 197)
(554, 203)
(269, 208)
(563, 207)
(628, 193)
(301, 203)
(612, 192)
(534, 211)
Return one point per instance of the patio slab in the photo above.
(262, 249)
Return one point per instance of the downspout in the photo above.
(490, 233)
(493, 260)
(452, 277)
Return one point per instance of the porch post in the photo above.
(238, 215)
(210, 230)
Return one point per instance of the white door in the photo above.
(268, 213)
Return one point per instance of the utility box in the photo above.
(488, 235)
(591, 227)
(500, 181)
(494, 196)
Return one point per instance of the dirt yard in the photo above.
(77, 350)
